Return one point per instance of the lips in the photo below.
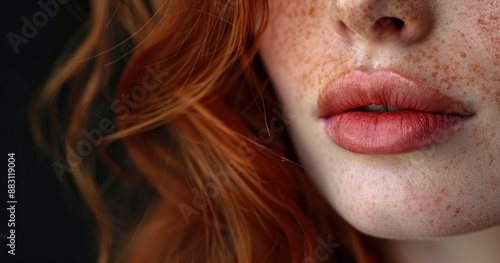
(387, 113)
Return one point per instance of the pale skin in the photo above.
(438, 204)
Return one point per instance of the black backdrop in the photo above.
(48, 225)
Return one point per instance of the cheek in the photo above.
(301, 44)
(488, 23)
(484, 33)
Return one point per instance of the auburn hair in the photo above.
(166, 122)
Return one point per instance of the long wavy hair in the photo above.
(164, 119)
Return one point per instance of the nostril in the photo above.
(389, 24)
(382, 21)
(398, 23)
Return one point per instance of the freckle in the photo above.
(438, 200)
(481, 21)
(495, 185)
(457, 211)
(434, 74)
(445, 67)
(480, 143)
(312, 11)
(483, 197)
(448, 207)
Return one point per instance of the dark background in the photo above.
(49, 225)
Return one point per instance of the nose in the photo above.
(381, 20)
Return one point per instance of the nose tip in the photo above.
(379, 20)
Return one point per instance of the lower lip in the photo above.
(390, 132)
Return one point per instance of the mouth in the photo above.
(379, 108)
(387, 113)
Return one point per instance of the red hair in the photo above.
(196, 131)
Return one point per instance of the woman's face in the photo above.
(427, 166)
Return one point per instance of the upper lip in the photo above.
(357, 89)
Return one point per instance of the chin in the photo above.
(387, 200)
(424, 227)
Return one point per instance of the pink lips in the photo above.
(424, 116)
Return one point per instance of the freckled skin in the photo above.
(447, 189)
